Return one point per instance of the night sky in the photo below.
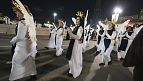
(43, 9)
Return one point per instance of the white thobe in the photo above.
(59, 41)
(51, 43)
(23, 61)
(75, 63)
(108, 51)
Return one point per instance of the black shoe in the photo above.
(101, 64)
(32, 78)
(46, 47)
(70, 75)
(121, 59)
(110, 62)
(37, 54)
(97, 52)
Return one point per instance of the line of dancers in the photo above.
(117, 37)
(109, 37)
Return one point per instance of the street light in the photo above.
(54, 14)
(115, 15)
(117, 10)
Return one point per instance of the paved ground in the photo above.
(51, 68)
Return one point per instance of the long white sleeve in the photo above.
(21, 32)
(79, 34)
(124, 24)
(130, 37)
(105, 27)
(120, 28)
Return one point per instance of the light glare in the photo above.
(117, 10)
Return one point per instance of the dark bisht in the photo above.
(134, 56)
(71, 44)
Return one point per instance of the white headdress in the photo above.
(28, 19)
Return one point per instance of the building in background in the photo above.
(133, 18)
(4, 19)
